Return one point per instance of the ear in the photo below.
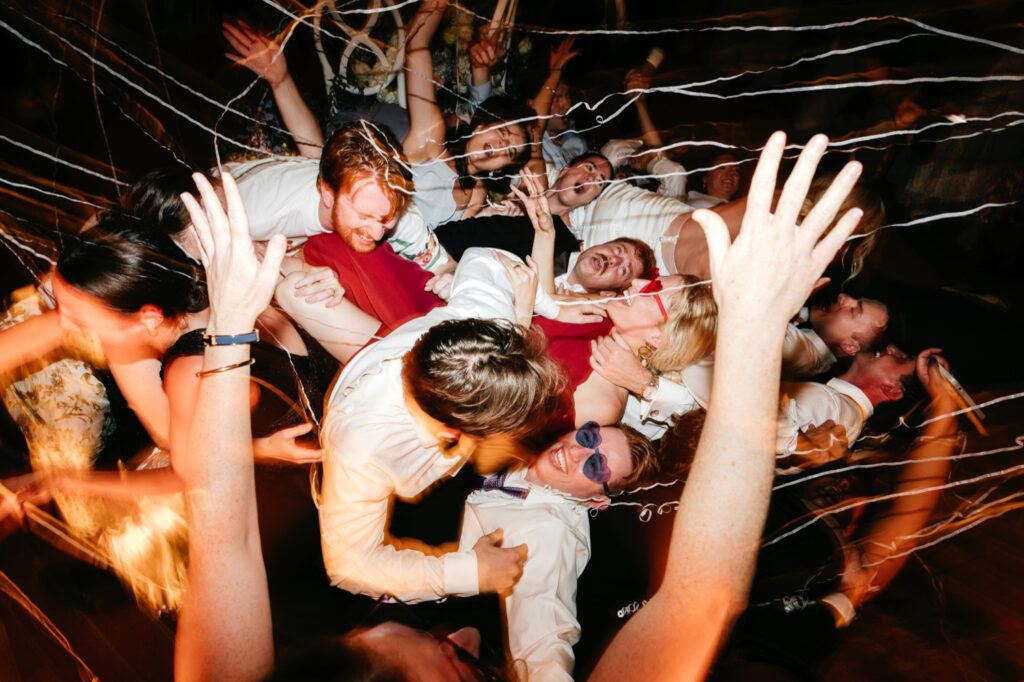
(609, 294)
(892, 390)
(599, 502)
(450, 433)
(849, 347)
(327, 194)
(150, 316)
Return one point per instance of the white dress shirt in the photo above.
(804, 354)
(373, 449)
(281, 197)
(806, 404)
(540, 613)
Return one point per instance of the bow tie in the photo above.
(497, 482)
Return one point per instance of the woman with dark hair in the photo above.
(130, 286)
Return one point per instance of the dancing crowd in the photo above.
(337, 352)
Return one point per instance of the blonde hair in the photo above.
(860, 197)
(689, 333)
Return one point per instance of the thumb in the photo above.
(497, 537)
(271, 264)
(297, 430)
(523, 552)
(716, 234)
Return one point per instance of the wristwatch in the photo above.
(651, 389)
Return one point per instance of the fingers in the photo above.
(787, 211)
(238, 220)
(201, 226)
(717, 235)
(826, 208)
(523, 551)
(271, 265)
(762, 184)
(294, 431)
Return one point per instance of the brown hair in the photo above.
(648, 263)
(689, 333)
(360, 149)
(864, 198)
(678, 446)
(646, 469)
(484, 378)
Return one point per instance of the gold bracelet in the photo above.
(225, 368)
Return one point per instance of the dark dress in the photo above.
(292, 389)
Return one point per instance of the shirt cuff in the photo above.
(670, 398)
(478, 93)
(841, 607)
(461, 576)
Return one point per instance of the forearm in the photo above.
(29, 340)
(224, 631)
(298, 118)
(926, 471)
(124, 485)
(651, 136)
(543, 255)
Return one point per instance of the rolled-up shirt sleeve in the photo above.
(353, 522)
(413, 240)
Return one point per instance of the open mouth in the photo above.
(579, 188)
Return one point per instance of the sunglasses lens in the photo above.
(589, 435)
(596, 468)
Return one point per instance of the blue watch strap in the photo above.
(231, 340)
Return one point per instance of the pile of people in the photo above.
(388, 312)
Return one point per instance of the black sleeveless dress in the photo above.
(291, 391)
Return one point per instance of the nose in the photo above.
(892, 350)
(844, 300)
(377, 231)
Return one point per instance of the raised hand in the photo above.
(524, 285)
(256, 51)
(769, 270)
(485, 52)
(240, 286)
(563, 54)
(535, 204)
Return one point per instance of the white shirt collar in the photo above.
(854, 393)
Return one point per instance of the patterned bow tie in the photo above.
(497, 482)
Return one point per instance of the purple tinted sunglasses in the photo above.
(596, 466)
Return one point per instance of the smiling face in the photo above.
(492, 147)
(725, 181)
(561, 466)
(850, 324)
(580, 183)
(362, 214)
(638, 317)
(607, 267)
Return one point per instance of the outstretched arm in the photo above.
(761, 279)
(224, 629)
(425, 140)
(264, 56)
